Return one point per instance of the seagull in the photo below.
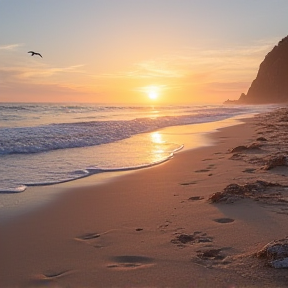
(35, 53)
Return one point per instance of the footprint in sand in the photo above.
(48, 276)
(127, 262)
(189, 183)
(88, 236)
(224, 220)
(54, 274)
(93, 239)
(210, 254)
(210, 258)
(165, 225)
(195, 198)
(202, 170)
(211, 166)
(181, 239)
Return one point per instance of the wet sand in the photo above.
(164, 226)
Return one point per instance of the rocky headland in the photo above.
(271, 83)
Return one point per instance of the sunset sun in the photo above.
(153, 94)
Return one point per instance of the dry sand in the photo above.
(157, 228)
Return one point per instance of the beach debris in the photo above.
(273, 126)
(253, 190)
(274, 161)
(238, 149)
(261, 139)
(196, 237)
(237, 156)
(242, 148)
(249, 170)
(195, 198)
(210, 254)
(275, 253)
(254, 146)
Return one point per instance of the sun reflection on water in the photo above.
(157, 137)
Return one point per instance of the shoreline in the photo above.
(148, 228)
(193, 135)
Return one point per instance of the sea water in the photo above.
(44, 144)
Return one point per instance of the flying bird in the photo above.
(35, 53)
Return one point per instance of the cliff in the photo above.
(271, 83)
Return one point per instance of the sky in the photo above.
(135, 51)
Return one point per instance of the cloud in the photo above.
(11, 46)
(33, 92)
(18, 73)
(196, 63)
(227, 86)
(44, 71)
(22, 83)
(145, 70)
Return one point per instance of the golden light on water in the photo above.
(157, 138)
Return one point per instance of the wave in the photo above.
(17, 189)
(79, 174)
(23, 137)
(28, 140)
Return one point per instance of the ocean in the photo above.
(44, 144)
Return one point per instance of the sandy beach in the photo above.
(178, 224)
